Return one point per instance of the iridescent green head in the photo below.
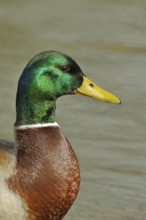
(46, 77)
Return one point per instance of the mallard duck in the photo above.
(39, 172)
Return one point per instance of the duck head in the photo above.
(46, 77)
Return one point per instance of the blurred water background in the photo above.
(108, 40)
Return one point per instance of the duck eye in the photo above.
(65, 68)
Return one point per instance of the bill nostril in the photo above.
(91, 85)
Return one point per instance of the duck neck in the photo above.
(35, 112)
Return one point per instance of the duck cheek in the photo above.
(64, 90)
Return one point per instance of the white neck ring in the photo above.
(37, 125)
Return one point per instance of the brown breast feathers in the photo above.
(47, 172)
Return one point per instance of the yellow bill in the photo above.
(90, 89)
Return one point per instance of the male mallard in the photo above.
(39, 172)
